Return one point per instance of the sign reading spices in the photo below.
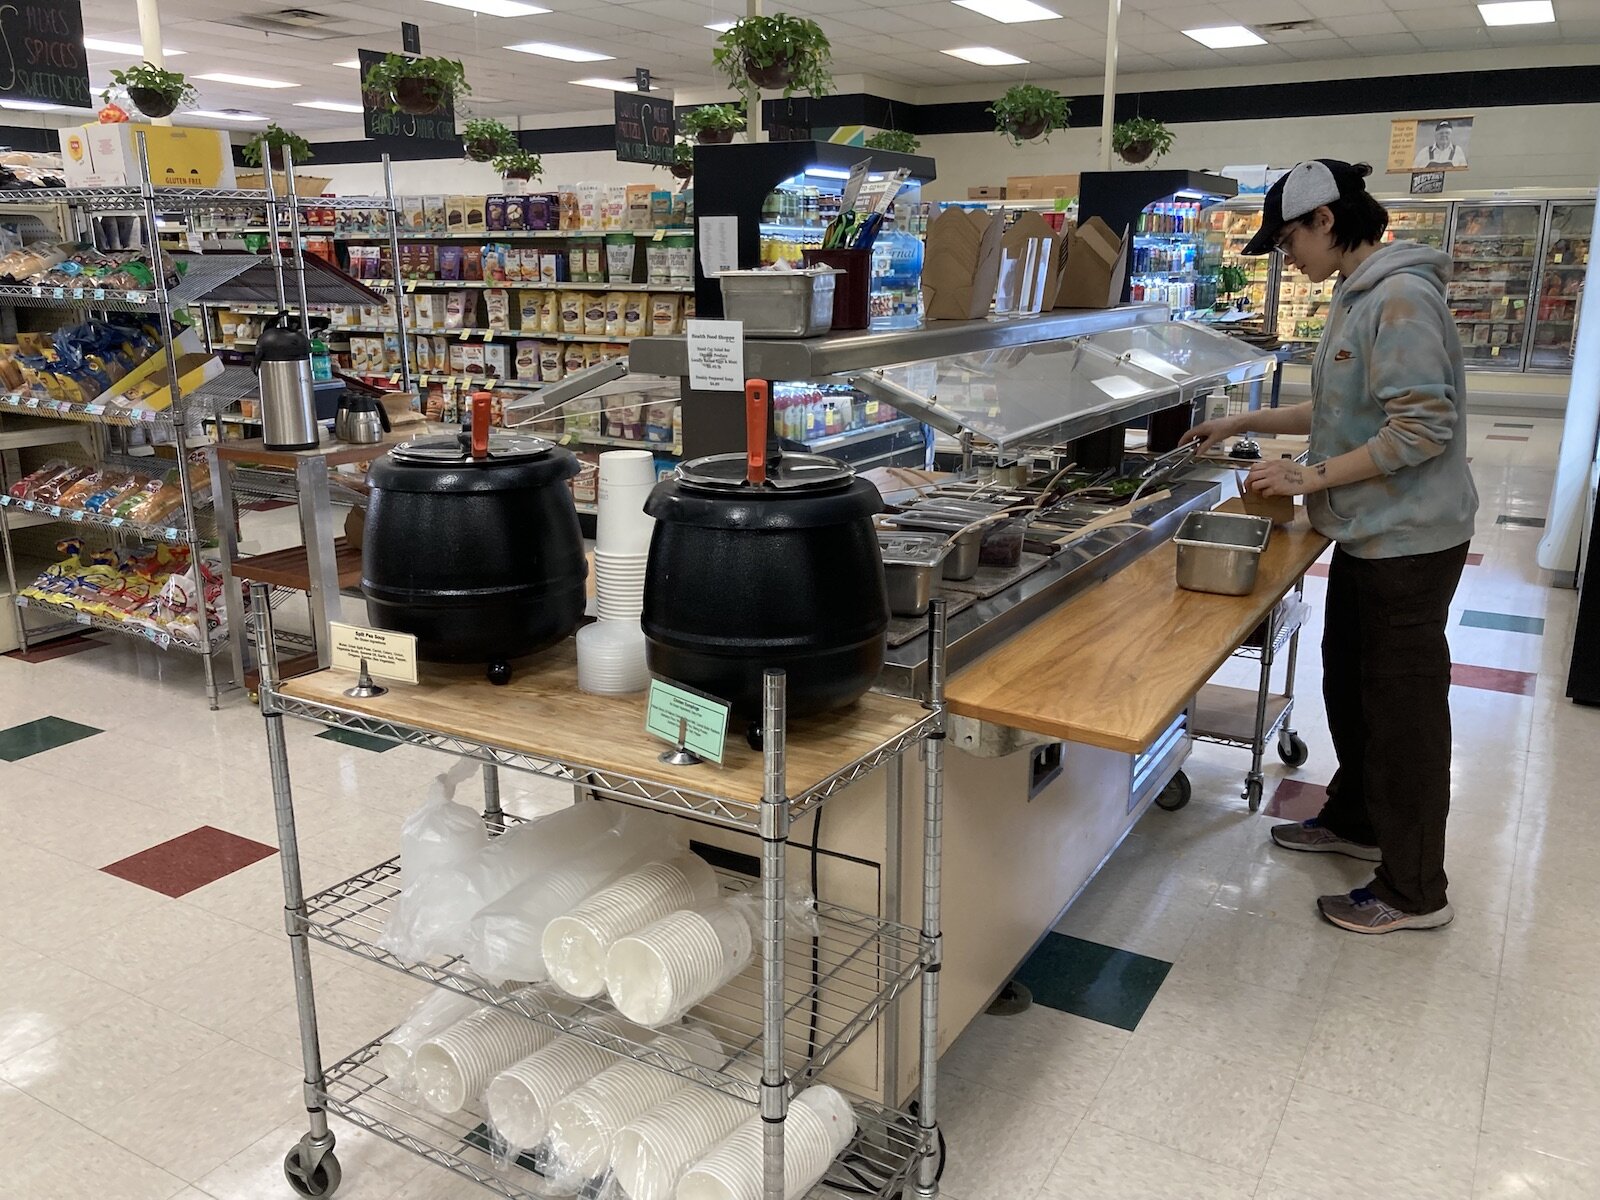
(41, 53)
(381, 124)
(646, 128)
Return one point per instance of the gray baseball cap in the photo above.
(1304, 188)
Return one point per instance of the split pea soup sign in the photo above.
(41, 52)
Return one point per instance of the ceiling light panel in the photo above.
(1518, 12)
(721, 26)
(329, 105)
(495, 8)
(610, 85)
(131, 48)
(353, 63)
(218, 114)
(564, 53)
(1225, 37)
(254, 81)
(986, 56)
(1010, 12)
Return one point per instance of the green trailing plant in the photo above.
(154, 91)
(484, 137)
(682, 160)
(270, 144)
(518, 164)
(1140, 138)
(418, 86)
(713, 123)
(896, 140)
(780, 51)
(1028, 111)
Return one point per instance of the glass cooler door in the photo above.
(1496, 248)
(1419, 221)
(1229, 226)
(1563, 269)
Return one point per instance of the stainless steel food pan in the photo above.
(780, 304)
(1220, 552)
(911, 563)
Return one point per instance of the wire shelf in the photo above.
(164, 639)
(34, 295)
(613, 784)
(862, 964)
(78, 516)
(876, 1166)
(131, 199)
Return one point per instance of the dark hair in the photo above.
(1357, 217)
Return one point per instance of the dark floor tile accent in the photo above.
(1525, 522)
(1505, 437)
(1089, 980)
(266, 505)
(363, 741)
(1510, 425)
(1474, 560)
(1493, 679)
(189, 861)
(1296, 800)
(1510, 622)
(1318, 569)
(75, 643)
(35, 737)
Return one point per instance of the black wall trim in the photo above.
(574, 140)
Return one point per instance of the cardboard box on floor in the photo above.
(961, 264)
(1096, 267)
(1045, 280)
(987, 192)
(180, 156)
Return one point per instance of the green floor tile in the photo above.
(1089, 980)
(35, 737)
(363, 741)
(1509, 622)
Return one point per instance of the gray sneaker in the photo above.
(1316, 838)
(1363, 912)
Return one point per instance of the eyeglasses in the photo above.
(1281, 245)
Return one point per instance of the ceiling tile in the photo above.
(1366, 25)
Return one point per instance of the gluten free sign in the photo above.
(41, 52)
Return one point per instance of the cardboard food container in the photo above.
(180, 156)
(961, 264)
(304, 185)
(1280, 510)
(1096, 267)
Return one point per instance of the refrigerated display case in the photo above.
(1174, 259)
(1229, 226)
(1564, 263)
(1496, 251)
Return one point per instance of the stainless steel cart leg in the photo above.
(223, 504)
(774, 854)
(1255, 782)
(927, 1183)
(1291, 748)
(493, 816)
(894, 789)
(310, 1166)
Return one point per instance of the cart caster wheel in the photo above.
(1292, 749)
(1176, 794)
(752, 736)
(322, 1182)
(1252, 794)
(499, 673)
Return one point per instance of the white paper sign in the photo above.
(716, 356)
(389, 655)
(1120, 387)
(719, 244)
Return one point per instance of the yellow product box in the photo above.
(152, 389)
(180, 156)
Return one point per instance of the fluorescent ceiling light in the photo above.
(495, 8)
(132, 48)
(254, 81)
(1518, 12)
(564, 53)
(329, 105)
(1225, 37)
(611, 85)
(222, 114)
(986, 56)
(1010, 12)
(721, 26)
(353, 63)
(32, 106)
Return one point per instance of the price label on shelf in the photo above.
(75, 515)
(37, 291)
(1494, 351)
(94, 410)
(60, 293)
(77, 293)
(683, 717)
(81, 618)
(388, 655)
(27, 506)
(172, 533)
(136, 297)
(53, 510)
(488, 384)
(31, 402)
(99, 293)
(466, 335)
(163, 640)
(116, 522)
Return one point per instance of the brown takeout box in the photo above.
(961, 264)
(1096, 267)
(1280, 510)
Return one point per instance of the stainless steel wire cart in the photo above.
(808, 1005)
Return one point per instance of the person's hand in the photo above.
(1209, 433)
(1283, 477)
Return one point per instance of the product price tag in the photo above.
(716, 355)
(388, 655)
(76, 515)
(37, 291)
(60, 293)
(27, 506)
(32, 402)
(94, 410)
(687, 718)
(77, 293)
(116, 522)
(466, 335)
(81, 618)
(172, 533)
(136, 297)
(99, 293)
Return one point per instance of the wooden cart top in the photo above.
(1115, 664)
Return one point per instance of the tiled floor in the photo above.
(1201, 1034)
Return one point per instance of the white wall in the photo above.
(456, 175)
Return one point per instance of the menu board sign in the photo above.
(41, 53)
(646, 128)
(382, 124)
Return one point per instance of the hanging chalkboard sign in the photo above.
(382, 125)
(41, 53)
(1427, 183)
(646, 128)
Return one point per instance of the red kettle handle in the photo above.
(755, 430)
(480, 424)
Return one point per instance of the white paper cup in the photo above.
(818, 1129)
(428, 1016)
(651, 1153)
(665, 969)
(575, 945)
(628, 466)
(520, 1097)
(454, 1065)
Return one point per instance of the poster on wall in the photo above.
(381, 124)
(1429, 144)
(41, 53)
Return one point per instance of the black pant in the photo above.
(1386, 680)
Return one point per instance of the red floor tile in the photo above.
(266, 505)
(1493, 679)
(1297, 800)
(1320, 570)
(189, 861)
(49, 651)
(1474, 560)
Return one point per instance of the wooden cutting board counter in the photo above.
(1115, 664)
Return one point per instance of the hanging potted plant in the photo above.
(518, 164)
(417, 86)
(485, 137)
(893, 139)
(155, 92)
(275, 138)
(682, 160)
(780, 51)
(713, 124)
(1027, 112)
(1141, 138)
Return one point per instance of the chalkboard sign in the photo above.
(382, 125)
(1427, 183)
(41, 52)
(646, 128)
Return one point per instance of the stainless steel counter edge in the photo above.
(814, 358)
(975, 631)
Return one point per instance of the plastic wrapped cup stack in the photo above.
(575, 945)
(651, 1153)
(665, 969)
(431, 1015)
(820, 1125)
(520, 1097)
(454, 1065)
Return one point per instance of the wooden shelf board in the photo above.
(289, 568)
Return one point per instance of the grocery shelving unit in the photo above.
(804, 1010)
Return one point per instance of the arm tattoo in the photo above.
(1294, 475)
(1322, 470)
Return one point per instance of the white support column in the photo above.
(1108, 116)
(752, 108)
(150, 36)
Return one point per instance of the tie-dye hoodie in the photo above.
(1388, 375)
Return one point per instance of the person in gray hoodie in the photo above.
(1387, 480)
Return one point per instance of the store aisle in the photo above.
(1234, 1046)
